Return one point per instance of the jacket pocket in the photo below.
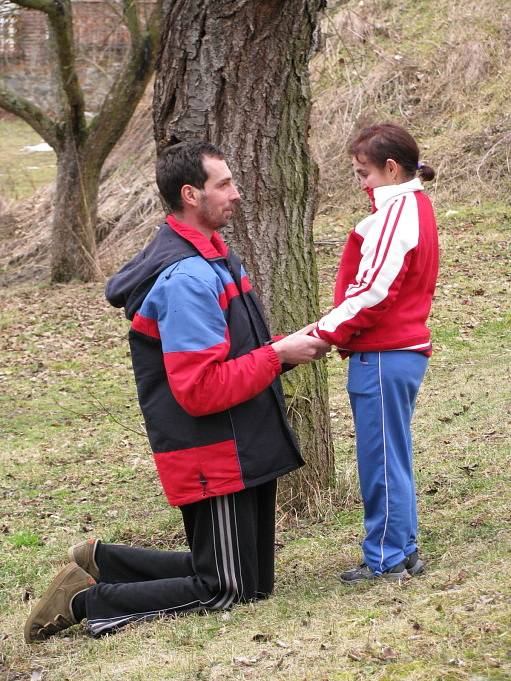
(189, 475)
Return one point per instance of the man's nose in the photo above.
(235, 195)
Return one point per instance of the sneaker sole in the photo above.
(395, 576)
(356, 581)
(386, 576)
(71, 555)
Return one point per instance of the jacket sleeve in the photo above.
(195, 342)
(386, 253)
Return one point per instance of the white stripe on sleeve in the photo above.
(382, 260)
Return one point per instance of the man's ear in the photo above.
(189, 195)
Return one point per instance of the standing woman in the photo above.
(383, 295)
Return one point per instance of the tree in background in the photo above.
(235, 72)
(82, 147)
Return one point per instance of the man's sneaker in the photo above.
(53, 611)
(83, 554)
(414, 564)
(363, 573)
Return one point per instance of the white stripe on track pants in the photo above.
(382, 387)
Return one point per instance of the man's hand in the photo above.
(299, 348)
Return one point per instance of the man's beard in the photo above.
(206, 217)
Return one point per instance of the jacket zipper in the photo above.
(203, 482)
(235, 444)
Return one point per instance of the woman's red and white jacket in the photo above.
(387, 276)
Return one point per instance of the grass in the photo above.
(22, 172)
(75, 463)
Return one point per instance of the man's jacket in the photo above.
(207, 384)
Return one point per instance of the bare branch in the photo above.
(31, 114)
(122, 99)
(112, 417)
(60, 17)
(132, 21)
(46, 6)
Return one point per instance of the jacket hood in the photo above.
(132, 283)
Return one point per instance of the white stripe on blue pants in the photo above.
(382, 387)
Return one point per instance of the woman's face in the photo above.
(371, 176)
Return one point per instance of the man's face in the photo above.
(219, 195)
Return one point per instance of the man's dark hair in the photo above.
(181, 164)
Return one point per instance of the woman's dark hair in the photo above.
(181, 164)
(380, 142)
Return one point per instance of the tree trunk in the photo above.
(82, 149)
(236, 72)
(73, 253)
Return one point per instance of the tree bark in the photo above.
(73, 240)
(235, 72)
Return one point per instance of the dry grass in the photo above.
(441, 70)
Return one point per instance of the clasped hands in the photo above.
(300, 348)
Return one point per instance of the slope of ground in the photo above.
(24, 166)
(441, 69)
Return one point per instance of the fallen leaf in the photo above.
(247, 661)
(354, 655)
(486, 600)
(492, 661)
(262, 638)
(455, 661)
(387, 654)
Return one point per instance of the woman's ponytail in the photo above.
(425, 172)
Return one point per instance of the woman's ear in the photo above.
(393, 169)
